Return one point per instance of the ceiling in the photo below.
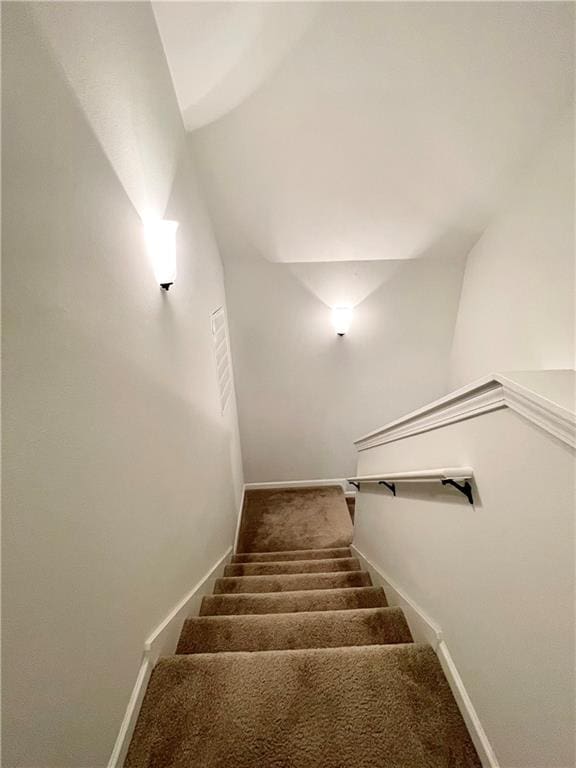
(365, 131)
(219, 52)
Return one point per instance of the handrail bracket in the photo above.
(390, 486)
(466, 489)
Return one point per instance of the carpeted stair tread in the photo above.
(293, 602)
(293, 566)
(291, 581)
(360, 707)
(298, 554)
(297, 663)
(294, 518)
(323, 629)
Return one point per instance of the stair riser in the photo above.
(291, 582)
(301, 554)
(330, 629)
(298, 566)
(293, 602)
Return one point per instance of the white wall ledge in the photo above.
(531, 399)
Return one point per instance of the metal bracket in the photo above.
(356, 485)
(390, 486)
(466, 489)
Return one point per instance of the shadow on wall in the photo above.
(135, 119)
(119, 458)
(349, 283)
(434, 493)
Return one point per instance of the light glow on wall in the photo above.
(341, 319)
(161, 245)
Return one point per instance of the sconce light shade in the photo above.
(161, 245)
(341, 319)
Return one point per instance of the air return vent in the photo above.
(222, 355)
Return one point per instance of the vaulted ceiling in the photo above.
(220, 53)
(362, 131)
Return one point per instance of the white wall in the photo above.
(497, 577)
(517, 306)
(121, 477)
(304, 393)
(365, 148)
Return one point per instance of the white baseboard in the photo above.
(477, 732)
(239, 519)
(122, 743)
(161, 642)
(423, 628)
(426, 630)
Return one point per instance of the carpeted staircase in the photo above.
(297, 662)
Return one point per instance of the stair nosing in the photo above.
(289, 551)
(284, 575)
(332, 650)
(219, 604)
(293, 614)
(289, 591)
(299, 562)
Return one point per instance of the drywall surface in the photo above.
(363, 170)
(116, 70)
(558, 386)
(121, 475)
(497, 577)
(220, 53)
(517, 305)
(387, 132)
(304, 393)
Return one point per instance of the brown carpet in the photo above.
(351, 502)
(291, 582)
(297, 662)
(383, 706)
(293, 602)
(322, 629)
(294, 518)
(299, 554)
(293, 566)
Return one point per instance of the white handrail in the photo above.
(420, 475)
(446, 475)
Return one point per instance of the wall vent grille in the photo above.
(222, 356)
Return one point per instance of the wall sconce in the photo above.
(341, 319)
(161, 245)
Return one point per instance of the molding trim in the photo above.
(239, 518)
(491, 393)
(161, 642)
(423, 628)
(477, 733)
(122, 743)
(426, 630)
(297, 484)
